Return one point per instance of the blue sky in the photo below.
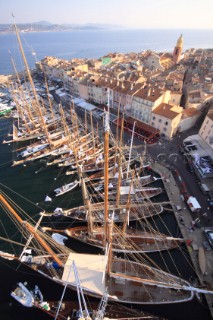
(184, 14)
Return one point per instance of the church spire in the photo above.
(178, 49)
(180, 41)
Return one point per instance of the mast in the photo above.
(107, 241)
(92, 128)
(106, 176)
(86, 200)
(126, 221)
(44, 125)
(27, 69)
(20, 111)
(119, 180)
(32, 230)
(85, 120)
(49, 100)
(130, 150)
(26, 64)
(21, 89)
(118, 118)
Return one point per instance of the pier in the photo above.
(195, 238)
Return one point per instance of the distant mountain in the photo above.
(47, 26)
(104, 26)
(44, 23)
(93, 26)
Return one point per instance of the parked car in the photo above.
(209, 236)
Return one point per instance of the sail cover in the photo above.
(90, 269)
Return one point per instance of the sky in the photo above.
(139, 14)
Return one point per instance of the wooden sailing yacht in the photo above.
(76, 309)
(124, 238)
(133, 281)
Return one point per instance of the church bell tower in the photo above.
(178, 49)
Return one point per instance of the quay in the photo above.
(195, 236)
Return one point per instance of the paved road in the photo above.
(168, 154)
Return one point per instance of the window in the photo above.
(159, 120)
(166, 123)
(164, 129)
(153, 118)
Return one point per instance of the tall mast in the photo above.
(130, 150)
(22, 93)
(26, 65)
(49, 100)
(118, 119)
(44, 125)
(126, 221)
(119, 179)
(92, 129)
(20, 111)
(106, 176)
(85, 121)
(32, 230)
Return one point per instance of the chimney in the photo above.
(148, 92)
(117, 83)
(123, 86)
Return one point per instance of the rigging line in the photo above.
(137, 257)
(5, 163)
(30, 47)
(15, 205)
(19, 244)
(6, 234)
(161, 254)
(18, 194)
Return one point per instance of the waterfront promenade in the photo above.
(194, 238)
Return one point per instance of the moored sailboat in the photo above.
(146, 284)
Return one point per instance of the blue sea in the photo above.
(94, 44)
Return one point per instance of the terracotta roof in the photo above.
(149, 93)
(165, 110)
(165, 56)
(187, 113)
(122, 86)
(134, 88)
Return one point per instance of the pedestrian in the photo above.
(181, 220)
(193, 225)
